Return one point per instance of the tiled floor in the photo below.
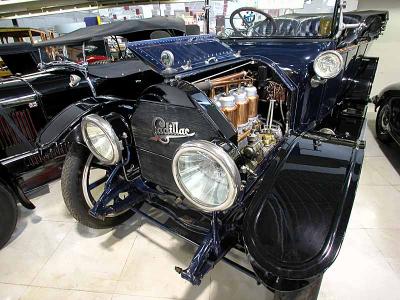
(52, 257)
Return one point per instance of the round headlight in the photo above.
(206, 175)
(328, 64)
(101, 139)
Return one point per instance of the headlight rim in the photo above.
(340, 69)
(222, 158)
(112, 137)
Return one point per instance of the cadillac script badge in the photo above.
(164, 131)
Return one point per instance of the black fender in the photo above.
(8, 180)
(65, 127)
(296, 220)
(388, 93)
(359, 88)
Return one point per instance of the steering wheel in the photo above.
(248, 17)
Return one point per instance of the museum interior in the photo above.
(199, 149)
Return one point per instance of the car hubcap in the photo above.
(385, 120)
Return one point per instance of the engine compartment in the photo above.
(255, 103)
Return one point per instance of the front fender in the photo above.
(65, 126)
(295, 225)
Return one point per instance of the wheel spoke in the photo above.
(99, 166)
(97, 183)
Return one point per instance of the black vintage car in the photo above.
(388, 119)
(254, 143)
(28, 103)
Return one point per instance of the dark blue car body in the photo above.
(293, 212)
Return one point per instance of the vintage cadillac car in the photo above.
(29, 102)
(252, 143)
(388, 118)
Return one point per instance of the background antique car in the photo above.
(256, 146)
(28, 103)
(18, 59)
(388, 118)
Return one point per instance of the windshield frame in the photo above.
(334, 28)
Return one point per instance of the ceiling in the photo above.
(10, 9)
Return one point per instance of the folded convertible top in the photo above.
(120, 28)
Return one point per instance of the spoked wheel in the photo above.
(83, 182)
(382, 124)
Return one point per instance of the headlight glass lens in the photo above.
(208, 179)
(100, 142)
(101, 139)
(328, 64)
(204, 178)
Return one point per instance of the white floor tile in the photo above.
(51, 206)
(381, 167)
(150, 267)
(88, 259)
(395, 265)
(30, 248)
(374, 148)
(227, 283)
(387, 241)
(377, 207)
(41, 293)
(360, 272)
(128, 297)
(11, 291)
(370, 175)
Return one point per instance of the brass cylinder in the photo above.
(243, 107)
(253, 106)
(253, 101)
(229, 108)
(231, 114)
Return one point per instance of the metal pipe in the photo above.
(207, 8)
(161, 225)
(40, 58)
(231, 77)
(272, 114)
(229, 82)
(223, 72)
(83, 52)
(240, 268)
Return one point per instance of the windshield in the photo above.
(272, 18)
(96, 52)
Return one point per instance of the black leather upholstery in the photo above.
(286, 27)
(308, 27)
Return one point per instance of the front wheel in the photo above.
(382, 124)
(82, 183)
(8, 215)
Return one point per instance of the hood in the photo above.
(183, 53)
